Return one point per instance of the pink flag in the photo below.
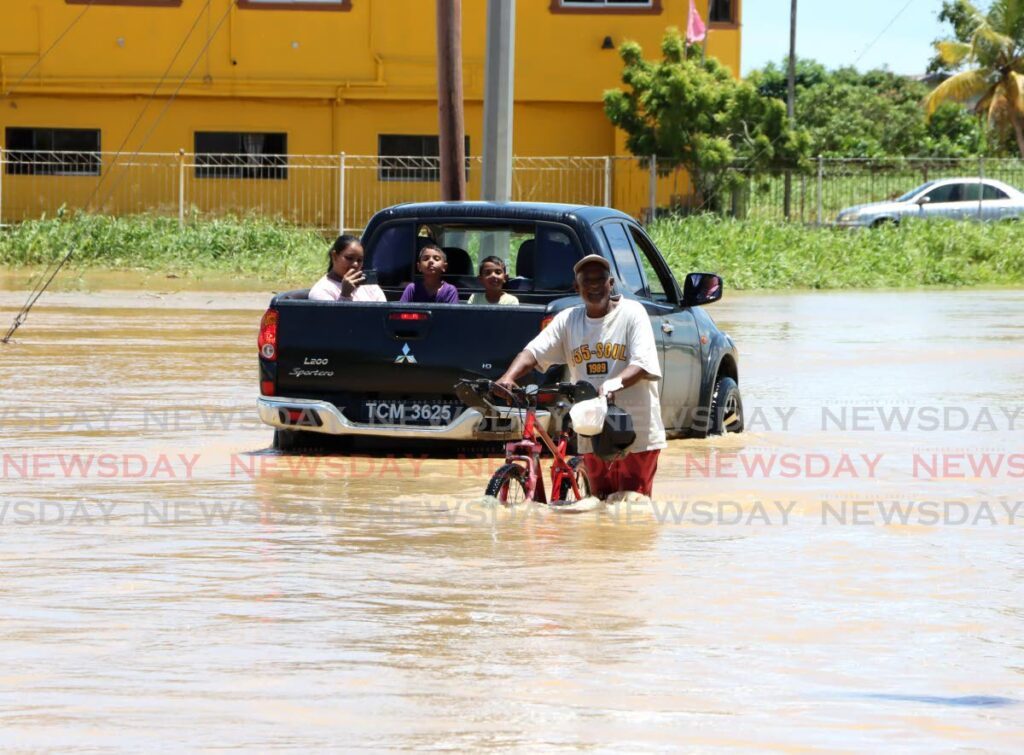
(695, 28)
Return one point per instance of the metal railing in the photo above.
(341, 192)
(327, 192)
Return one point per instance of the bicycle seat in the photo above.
(574, 392)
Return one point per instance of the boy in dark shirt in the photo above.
(432, 264)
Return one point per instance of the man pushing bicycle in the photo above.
(609, 342)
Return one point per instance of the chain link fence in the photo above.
(335, 192)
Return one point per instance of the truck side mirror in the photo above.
(701, 288)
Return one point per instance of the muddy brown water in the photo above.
(166, 580)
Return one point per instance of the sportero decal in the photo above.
(299, 372)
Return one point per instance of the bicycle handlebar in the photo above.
(476, 393)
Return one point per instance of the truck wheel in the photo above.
(726, 408)
(290, 441)
(582, 482)
(508, 485)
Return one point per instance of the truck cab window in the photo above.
(659, 280)
(629, 276)
(392, 253)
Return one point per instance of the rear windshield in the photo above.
(537, 256)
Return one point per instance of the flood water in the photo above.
(166, 579)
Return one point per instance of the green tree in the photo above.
(873, 114)
(990, 47)
(694, 114)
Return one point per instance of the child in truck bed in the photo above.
(345, 280)
(432, 264)
(493, 277)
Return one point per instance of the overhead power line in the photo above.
(47, 277)
(884, 30)
(49, 49)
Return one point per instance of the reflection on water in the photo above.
(974, 701)
(167, 579)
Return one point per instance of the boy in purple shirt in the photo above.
(432, 264)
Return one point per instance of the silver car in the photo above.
(957, 198)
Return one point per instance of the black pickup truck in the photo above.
(388, 369)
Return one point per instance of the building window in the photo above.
(52, 151)
(154, 3)
(605, 6)
(408, 157)
(231, 154)
(722, 11)
(296, 4)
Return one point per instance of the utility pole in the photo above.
(790, 102)
(451, 125)
(499, 100)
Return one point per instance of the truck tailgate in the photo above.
(393, 350)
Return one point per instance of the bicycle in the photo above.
(521, 472)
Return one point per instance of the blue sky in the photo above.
(841, 33)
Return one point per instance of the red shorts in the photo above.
(635, 473)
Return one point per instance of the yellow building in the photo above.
(249, 78)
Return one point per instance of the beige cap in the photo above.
(591, 258)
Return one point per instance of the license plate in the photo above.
(419, 413)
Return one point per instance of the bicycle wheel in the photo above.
(508, 485)
(579, 470)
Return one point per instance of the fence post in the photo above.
(1, 187)
(607, 181)
(181, 188)
(341, 193)
(821, 186)
(981, 179)
(652, 189)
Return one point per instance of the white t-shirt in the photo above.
(481, 298)
(329, 289)
(597, 349)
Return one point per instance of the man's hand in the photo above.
(353, 279)
(521, 365)
(609, 387)
(506, 383)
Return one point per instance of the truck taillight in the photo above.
(409, 316)
(546, 321)
(267, 340)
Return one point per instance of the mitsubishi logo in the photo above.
(405, 357)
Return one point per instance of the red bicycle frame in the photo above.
(527, 452)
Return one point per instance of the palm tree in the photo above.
(996, 80)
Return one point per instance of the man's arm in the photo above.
(643, 349)
(632, 375)
(523, 364)
(545, 347)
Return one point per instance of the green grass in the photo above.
(254, 247)
(748, 254)
(752, 255)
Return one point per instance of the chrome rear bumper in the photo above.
(470, 425)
